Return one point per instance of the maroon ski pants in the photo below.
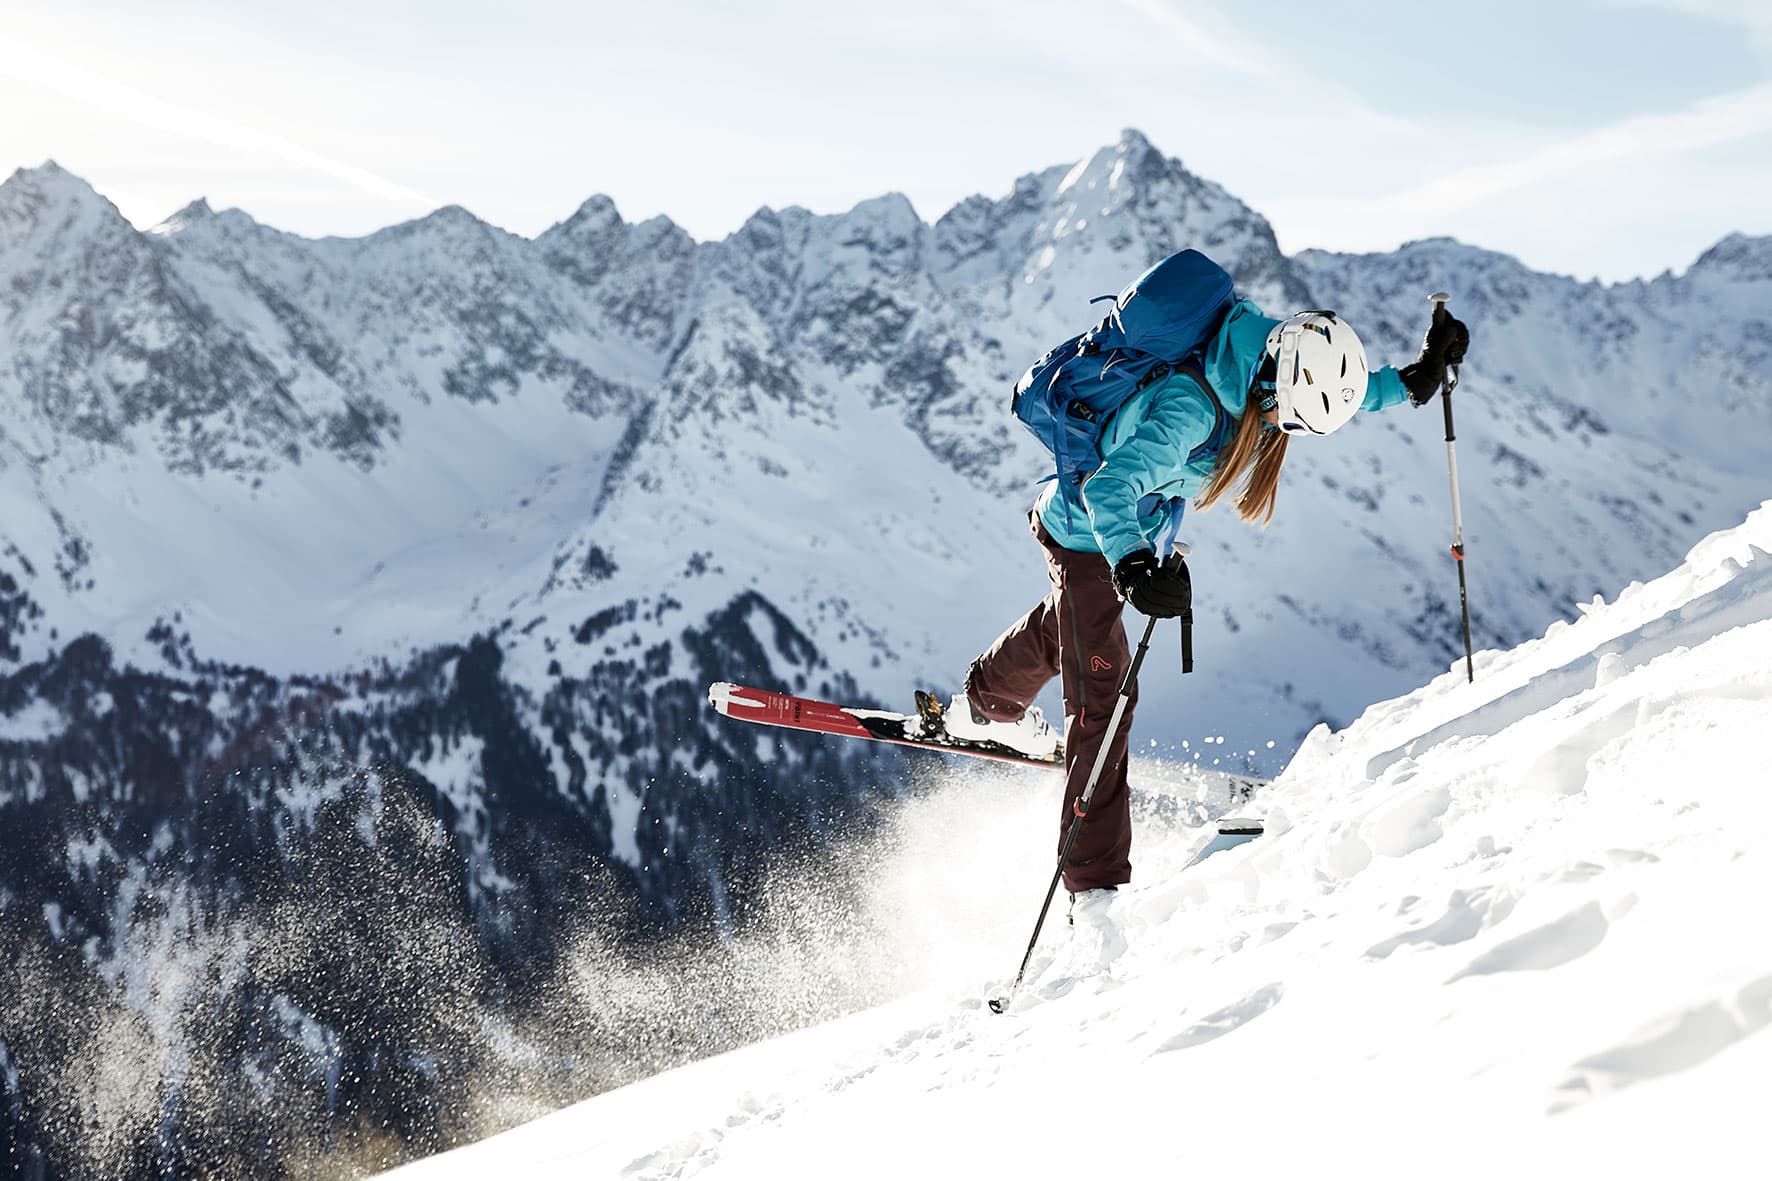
(1074, 633)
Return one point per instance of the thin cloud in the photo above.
(1720, 119)
(1753, 16)
(1277, 83)
(31, 67)
(1200, 41)
(1639, 160)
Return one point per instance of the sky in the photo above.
(1599, 138)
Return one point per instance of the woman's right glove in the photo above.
(1158, 590)
(1447, 339)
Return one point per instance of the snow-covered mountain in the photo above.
(429, 542)
(391, 443)
(1524, 913)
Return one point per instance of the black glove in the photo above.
(1159, 591)
(1444, 345)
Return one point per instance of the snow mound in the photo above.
(1524, 912)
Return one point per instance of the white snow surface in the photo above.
(1509, 926)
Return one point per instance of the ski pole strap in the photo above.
(1164, 542)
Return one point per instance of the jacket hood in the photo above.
(1235, 352)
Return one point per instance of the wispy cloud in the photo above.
(1617, 201)
(30, 66)
(1720, 119)
(1201, 42)
(1753, 16)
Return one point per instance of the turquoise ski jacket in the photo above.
(1145, 477)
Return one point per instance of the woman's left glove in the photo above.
(1447, 339)
(1161, 590)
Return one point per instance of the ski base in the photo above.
(1232, 831)
(923, 729)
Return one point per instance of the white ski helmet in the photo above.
(1315, 375)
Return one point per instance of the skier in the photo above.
(1104, 541)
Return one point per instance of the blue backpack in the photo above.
(1160, 324)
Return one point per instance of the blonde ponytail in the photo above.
(1255, 457)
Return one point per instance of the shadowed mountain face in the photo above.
(357, 598)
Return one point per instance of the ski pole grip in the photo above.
(1448, 373)
(1187, 643)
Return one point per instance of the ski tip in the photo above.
(1239, 826)
(723, 695)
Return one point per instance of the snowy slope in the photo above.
(1505, 926)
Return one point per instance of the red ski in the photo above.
(923, 729)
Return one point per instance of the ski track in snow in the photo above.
(1535, 921)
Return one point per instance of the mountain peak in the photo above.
(51, 181)
(30, 195)
(770, 216)
(889, 209)
(597, 214)
(1129, 163)
(451, 215)
(450, 222)
(48, 171)
(21, 173)
(192, 214)
(1133, 141)
(1743, 257)
(585, 244)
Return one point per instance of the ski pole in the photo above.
(1080, 809)
(1448, 383)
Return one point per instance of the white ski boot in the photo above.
(1092, 916)
(1030, 734)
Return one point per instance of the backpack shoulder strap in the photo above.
(1221, 422)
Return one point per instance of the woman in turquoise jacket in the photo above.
(1105, 539)
(1145, 472)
